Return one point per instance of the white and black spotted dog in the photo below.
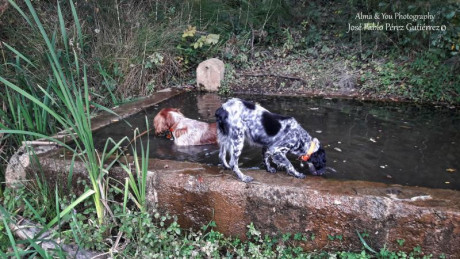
(278, 135)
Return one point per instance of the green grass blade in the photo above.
(132, 182)
(50, 46)
(68, 209)
(19, 54)
(77, 24)
(125, 195)
(12, 3)
(365, 244)
(8, 232)
(34, 211)
(34, 100)
(62, 27)
(76, 231)
(42, 252)
(70, 175)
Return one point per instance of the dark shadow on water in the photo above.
(376, 141)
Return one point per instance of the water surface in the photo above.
(404, 144)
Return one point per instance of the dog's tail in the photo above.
(221, 119)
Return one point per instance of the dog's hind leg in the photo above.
(237, 143)
(280, 159)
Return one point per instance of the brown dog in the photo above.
(184, 131)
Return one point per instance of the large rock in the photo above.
(22, 160)
(209, 74)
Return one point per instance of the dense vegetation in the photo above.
(61, 62)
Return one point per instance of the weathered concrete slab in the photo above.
(279, 203)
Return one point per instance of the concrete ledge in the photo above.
(278, 203)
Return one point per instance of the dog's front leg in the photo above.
(280, 159)
(267, 155)
(311, 168)
(223, 156)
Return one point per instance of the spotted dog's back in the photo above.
(250, 117)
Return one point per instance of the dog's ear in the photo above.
(317, 144)
(163, 120)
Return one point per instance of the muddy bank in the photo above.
(328, 74)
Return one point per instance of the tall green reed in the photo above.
(68, 88)
(137, 181)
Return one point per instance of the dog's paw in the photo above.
(246, 178)
(300, 176)
(271, 170)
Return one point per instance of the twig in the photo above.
(1, 121)
(143, 65)
(39, 143)
(140, 135)
(252, 42)
(119, 23)
(274, 75)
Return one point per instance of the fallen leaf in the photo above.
(338, 149)
(450, 170)
(373, 140)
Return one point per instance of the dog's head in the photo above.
(318, 159)
(165, 119)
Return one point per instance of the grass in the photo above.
(118, 41)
